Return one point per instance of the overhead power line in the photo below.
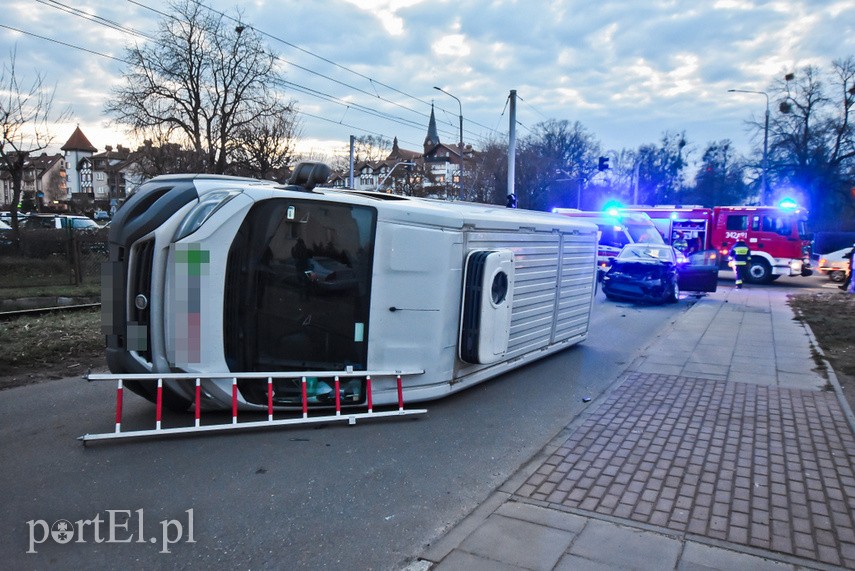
(93, 18)
(66, 44)
(329, 61)
(309, 91)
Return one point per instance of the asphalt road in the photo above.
(369, 496)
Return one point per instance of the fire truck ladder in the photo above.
(198, 427)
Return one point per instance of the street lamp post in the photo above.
(460, 105)
(764, 182)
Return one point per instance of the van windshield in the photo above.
(644, 233)
(298, 285)
(612, 235)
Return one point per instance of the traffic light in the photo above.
(604, 163)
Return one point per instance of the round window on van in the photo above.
(499, 289)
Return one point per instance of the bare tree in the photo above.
(159, 156)
(265, 149)
(721, 177)
(812, 141)
(203, 80)
(487, 179)
(554, 164)
(25, 119)
(406, 180)
(371, 148)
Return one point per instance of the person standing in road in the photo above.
(739, 256)
(847, 284)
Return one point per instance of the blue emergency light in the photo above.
(612, 207)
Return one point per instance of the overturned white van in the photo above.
(211, 275)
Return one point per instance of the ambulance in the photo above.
(617, 228)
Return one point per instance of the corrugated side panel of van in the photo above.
(576, 286)
(553, 282)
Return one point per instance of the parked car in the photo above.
(656, 273)
(59, 221)
(834, 264)
(6, 217)
(5, 237)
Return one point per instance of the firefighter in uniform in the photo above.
(679, 242)
(739, 255)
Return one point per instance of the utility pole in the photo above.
(512, 149)
(350, 178)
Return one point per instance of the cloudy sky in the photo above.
(628, 70)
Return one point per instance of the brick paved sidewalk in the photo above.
(749, 464)
(721, 447)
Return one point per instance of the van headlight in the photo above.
(201, 212)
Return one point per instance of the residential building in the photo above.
(110, 172)
(43, 184)
(84, 180)
(434, 172)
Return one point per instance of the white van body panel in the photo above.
(420, 249)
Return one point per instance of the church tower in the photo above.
(432, 138)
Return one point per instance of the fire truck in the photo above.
(776, 235)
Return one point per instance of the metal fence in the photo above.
(47, 257)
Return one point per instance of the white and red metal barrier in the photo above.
(348, 415)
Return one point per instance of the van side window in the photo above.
(737, 222)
